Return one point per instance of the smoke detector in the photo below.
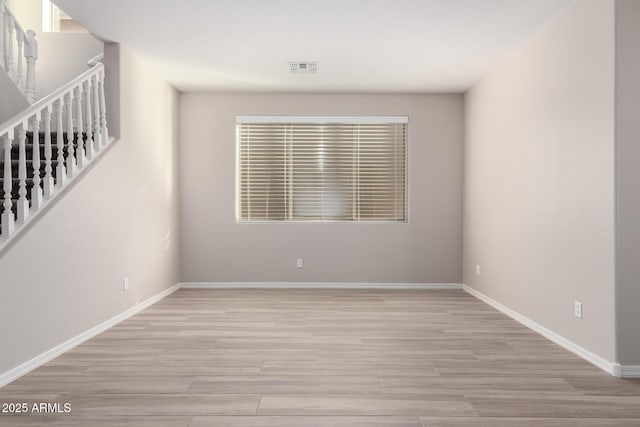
(303, 67)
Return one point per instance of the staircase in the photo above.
(51, 142)
(47, 146)
(48, 170)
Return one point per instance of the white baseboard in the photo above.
(629, 371)
(316, 285)
(590, 357)
(624, 371)
(56, 351)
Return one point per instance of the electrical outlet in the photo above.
(477, 269)
(577, 309)
(299, 263)
(125, 284)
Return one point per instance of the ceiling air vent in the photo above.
(303, 67)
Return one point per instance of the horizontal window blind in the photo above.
(321, 170)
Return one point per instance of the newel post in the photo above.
(31, 55)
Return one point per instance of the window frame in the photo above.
(300, 119)
(51, 26)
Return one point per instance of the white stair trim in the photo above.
(56, 351)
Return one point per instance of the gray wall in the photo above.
(627, 181)
(539, 190)
(426, 250)
(12, 101)
(63, 57)
(64, 275)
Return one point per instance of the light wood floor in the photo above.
(299, 358)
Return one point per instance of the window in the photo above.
(321, 168)
(55, 20)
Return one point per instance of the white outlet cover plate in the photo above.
(577, 309)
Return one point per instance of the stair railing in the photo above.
(76, 110)
(13, 38)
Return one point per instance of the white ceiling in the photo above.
(361, 45)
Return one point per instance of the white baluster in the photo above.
(31, 55)
(88, 119)
(47, 183)
(104, 132)
(79, 102)
(77, 92)
(61, 172)
(20, 75)
(2, 30)
(36, 190)
(97, 135)
(71, 158)
(23, 203)
(8, 220)
(9, 54)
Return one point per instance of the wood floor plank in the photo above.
(163, 404)
(556, 406)
(525, 422)
(606, 386)
(285, 384)
(352, 368)
(302, 421)
(362, 404)
(295, 357)
(133, 384)
(476, 385)
(64, 420)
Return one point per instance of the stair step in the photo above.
(16, 181)
(15, 191)
(54, 139)
(15, 170)
(54, 152)
(54, 144)
(29, 148)
(54, 134)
